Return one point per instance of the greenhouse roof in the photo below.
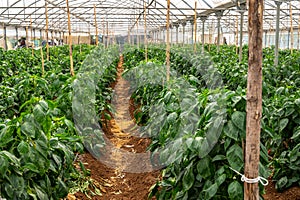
(120, 16)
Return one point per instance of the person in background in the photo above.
(22, 42)
(224, 40)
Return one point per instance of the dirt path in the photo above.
(120, 185)
(128, 154)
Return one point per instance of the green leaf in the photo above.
(44, 104)
(10, 157)
(297, 102)
(18, 184)
(69, 124)
(23, 148)
(296, 134)
(189, 143)
(279, 90)
(295, 153)
(231, 130)
(227, 143)
(211, 191)
(236, 99)
(218, 158)
(153, 190)
(32, 195)
(6, 136)
(62, 189)
(28, 129)
(204, 167)
(179, 195)
(31, 167)
(239, 120)
(30, 101)
(235, 190)
(38, 113)
(235, 157)
(221, 179)
(263, 171)
(172, 117)
(188, 179)
(289, 111)
(42, 148)
(3, 166)
(9, 190)
(281, 183)
(40, 193)
(283, 123)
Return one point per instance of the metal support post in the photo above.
(278, 3)
(219, 15)
(203, 19)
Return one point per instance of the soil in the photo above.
(117, 184)
(121, 182)
(292, 193)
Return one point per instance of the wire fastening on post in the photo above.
(260, 179)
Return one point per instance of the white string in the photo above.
(260, 179)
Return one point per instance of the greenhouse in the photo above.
(149, 99)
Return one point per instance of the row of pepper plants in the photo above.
(38, 138)
(197, 120)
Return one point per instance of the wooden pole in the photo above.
(241, 37)
(41, 38)
(192, 26)
(17, 35)
(128, 35)
(4, 36)
(278, 3)
(103, 32)
(237, 34)
(219, 16)
(59, 38)
(168, 42)
(26, 30)
(183, 32)
(79, 44)
(269, 38)
(171, 33)
(47, 38)
(203, 18)
(96, 25)
(89, 34)
(195, 27)
(145, 33)
(159, 34)
(288, 39)
(107, 36)
(210, 32)
(254, 98)
(137, 33)
(292, 30)
(34, 36)
(177, 26)
(298, 33)
(43, 62)
(70, 40)
(32, 47)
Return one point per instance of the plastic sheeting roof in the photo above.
(121, 15)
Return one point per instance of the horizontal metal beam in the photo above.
(114, 7)
(135, 8)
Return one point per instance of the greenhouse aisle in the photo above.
(116, 183)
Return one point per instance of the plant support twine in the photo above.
(260, 179)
